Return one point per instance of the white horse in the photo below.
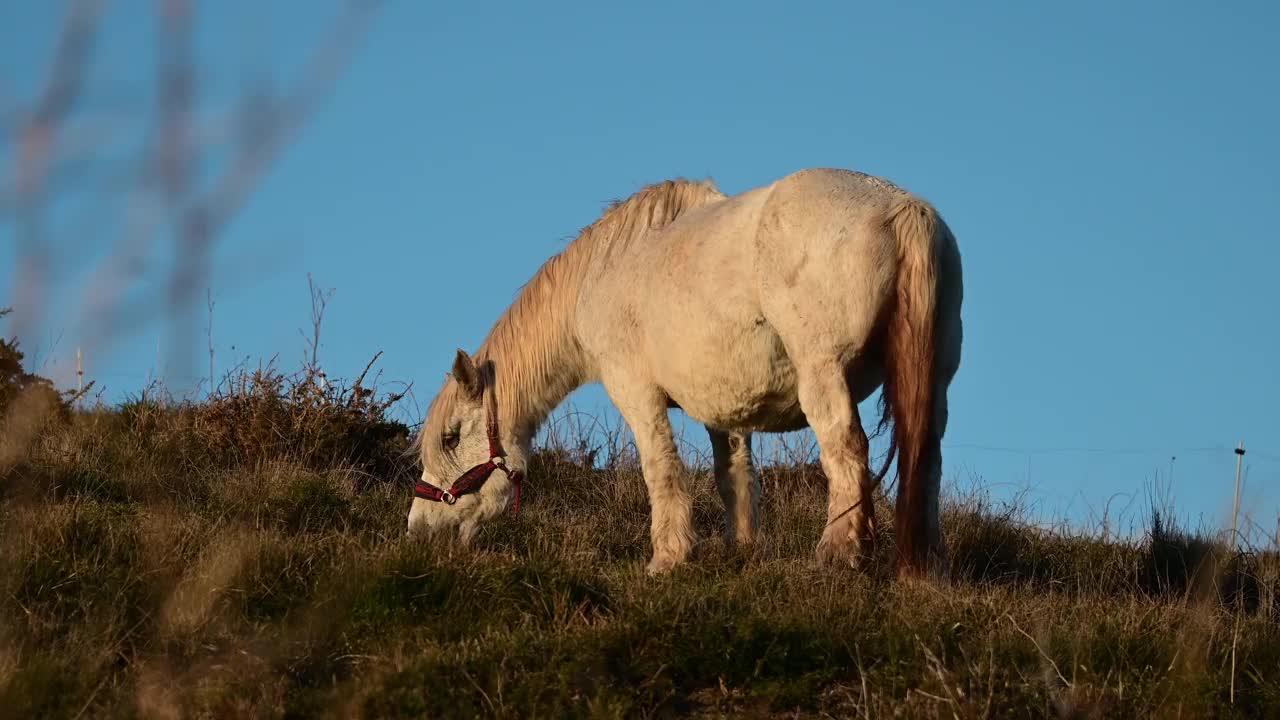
(769, 311)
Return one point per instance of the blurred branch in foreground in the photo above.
(174, 187)
(168, 194)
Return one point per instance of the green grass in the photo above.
(157, 564)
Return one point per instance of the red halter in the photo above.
(471, 480)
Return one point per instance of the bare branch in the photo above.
(167, 201)
(319, 301)
(36, 146)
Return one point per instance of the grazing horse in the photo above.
(779, 308)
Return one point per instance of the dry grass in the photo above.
(245, 557)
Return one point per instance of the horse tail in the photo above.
(910, 353)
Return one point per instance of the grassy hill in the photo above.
(245, 556)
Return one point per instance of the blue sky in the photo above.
(1109, 169)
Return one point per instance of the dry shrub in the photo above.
(16, 382)
(255, 418)
(29, 404)
(266, 414)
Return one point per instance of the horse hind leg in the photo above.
(950, 331)
(932, 477)
(739, 486)
(829, 406)
(830, 345)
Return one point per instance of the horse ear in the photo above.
(468, 377)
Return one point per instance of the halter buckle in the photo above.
(447, 497)
(498, 461)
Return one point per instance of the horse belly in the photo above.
(740, 380)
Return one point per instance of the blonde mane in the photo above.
(536, 359)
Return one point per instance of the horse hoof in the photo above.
(661, 566)
(830, 553)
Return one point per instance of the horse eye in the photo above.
(451, 441)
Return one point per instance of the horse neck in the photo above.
(534, 348)
(536, 357)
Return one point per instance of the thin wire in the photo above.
(1097, 451)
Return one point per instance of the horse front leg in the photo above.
(644, 408)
